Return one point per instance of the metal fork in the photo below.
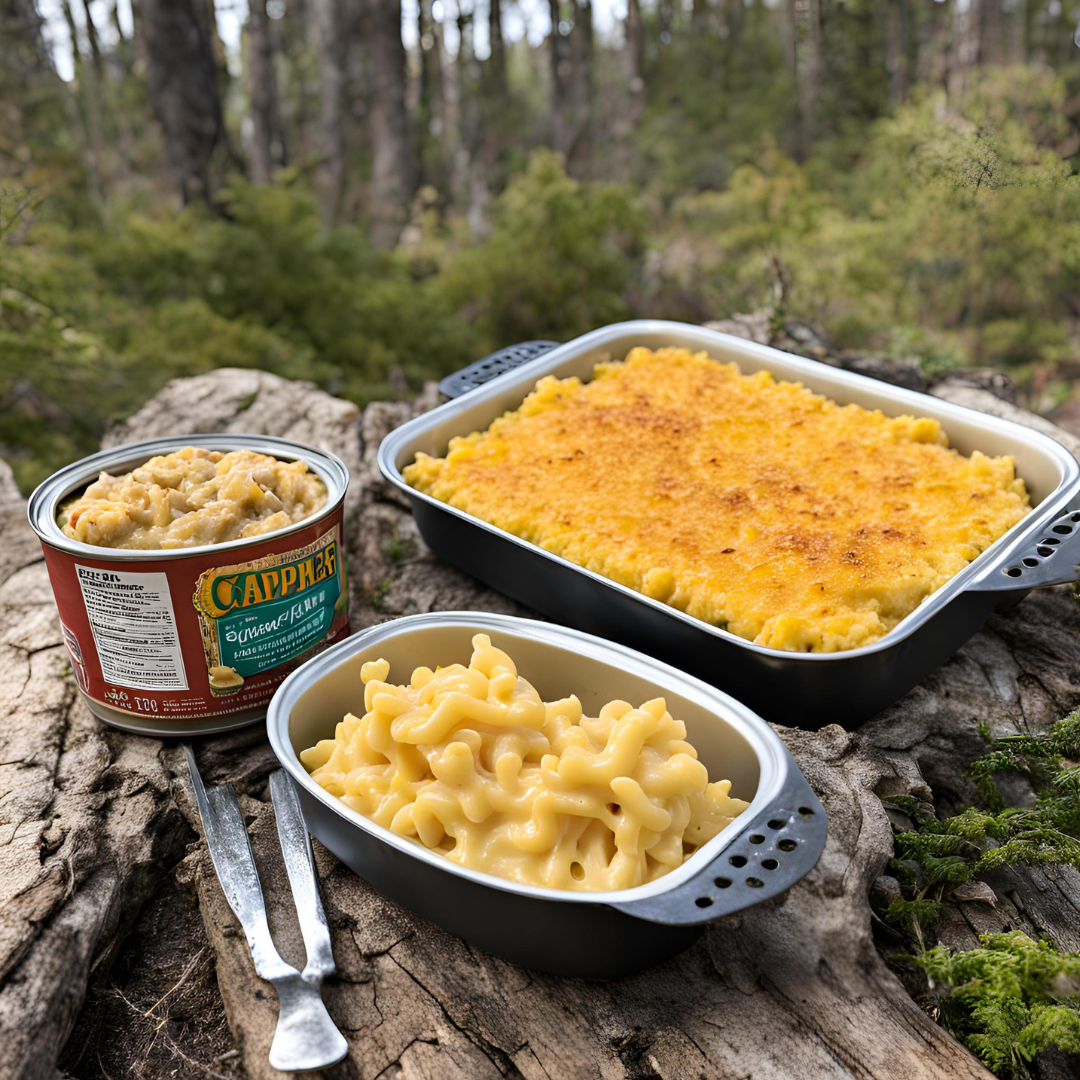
(306, 1037)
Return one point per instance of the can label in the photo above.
(259, 614)
(134, 627)
(196, 637)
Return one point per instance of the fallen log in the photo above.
(108, 897)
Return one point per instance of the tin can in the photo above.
(195, 640)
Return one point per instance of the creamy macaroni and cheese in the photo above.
(193, 497)
(471, 763)
(754, 505)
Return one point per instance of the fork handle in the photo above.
(300, 865)
(230, 851)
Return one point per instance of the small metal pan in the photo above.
(807, 689)
(769, 847)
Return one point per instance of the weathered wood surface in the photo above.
(109, 903)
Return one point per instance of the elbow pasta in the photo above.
(471, 763)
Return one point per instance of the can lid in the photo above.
(45, 500)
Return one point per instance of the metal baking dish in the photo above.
(594, 935)
(807, 689)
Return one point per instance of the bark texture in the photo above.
(330, 175)
(392, 171)
(182, 75)
(101, 877)
(262, 92)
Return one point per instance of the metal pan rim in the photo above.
(983, 564)
(44, 501)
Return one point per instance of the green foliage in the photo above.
(906, 912)
(947, 231)
(1029, 755)
(936, 855)
(952, 233)
(559, 261)
(951, 851)
(1008, 1001)
(1012, 999)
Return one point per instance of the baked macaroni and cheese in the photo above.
(193, 497)
(754, 505)
(471, 763)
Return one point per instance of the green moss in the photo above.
(1008, 1001)
(1014, 998)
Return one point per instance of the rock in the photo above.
(993, 382)
(975, 890)
(906, 373)
(982, 400)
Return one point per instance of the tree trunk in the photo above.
(431, 125)
(990, 32)
(579, 151)
(806, 60)
(330, 174)
(392, 172)
(182, 78)
(571, 79)
(262, 92)
(562, 67)
(895, 59)
(93, 42)
(496, 65)
(123, 50)
(88, 103)
(634, 62)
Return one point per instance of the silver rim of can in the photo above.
(45, 501)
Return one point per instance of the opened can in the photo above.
(188, 641)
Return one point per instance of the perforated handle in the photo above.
(469, 378)
(1052, 560)
(778, 848)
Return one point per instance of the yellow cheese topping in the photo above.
(470, 762)
(193, 497)
(748, 503)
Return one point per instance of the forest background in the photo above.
(368, 195)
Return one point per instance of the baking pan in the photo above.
(807, 689)
(762, 853)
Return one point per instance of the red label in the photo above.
(177, 638)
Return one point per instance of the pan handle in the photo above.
(775, 850)
(469, 378)
(1052, 560)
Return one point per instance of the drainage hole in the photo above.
(776, 823)
(1076, 517)
(577, 871)
(722, 883)
(1062, 530)
(769, 864)
(704, 901)
(754, 883)
(806, 811)
(1014, 571)
(787, 845)
(1045, 552)
(737, 860)
(756, 838)
(1051, 540)
(1031, 562)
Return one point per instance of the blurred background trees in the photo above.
(369, 193)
